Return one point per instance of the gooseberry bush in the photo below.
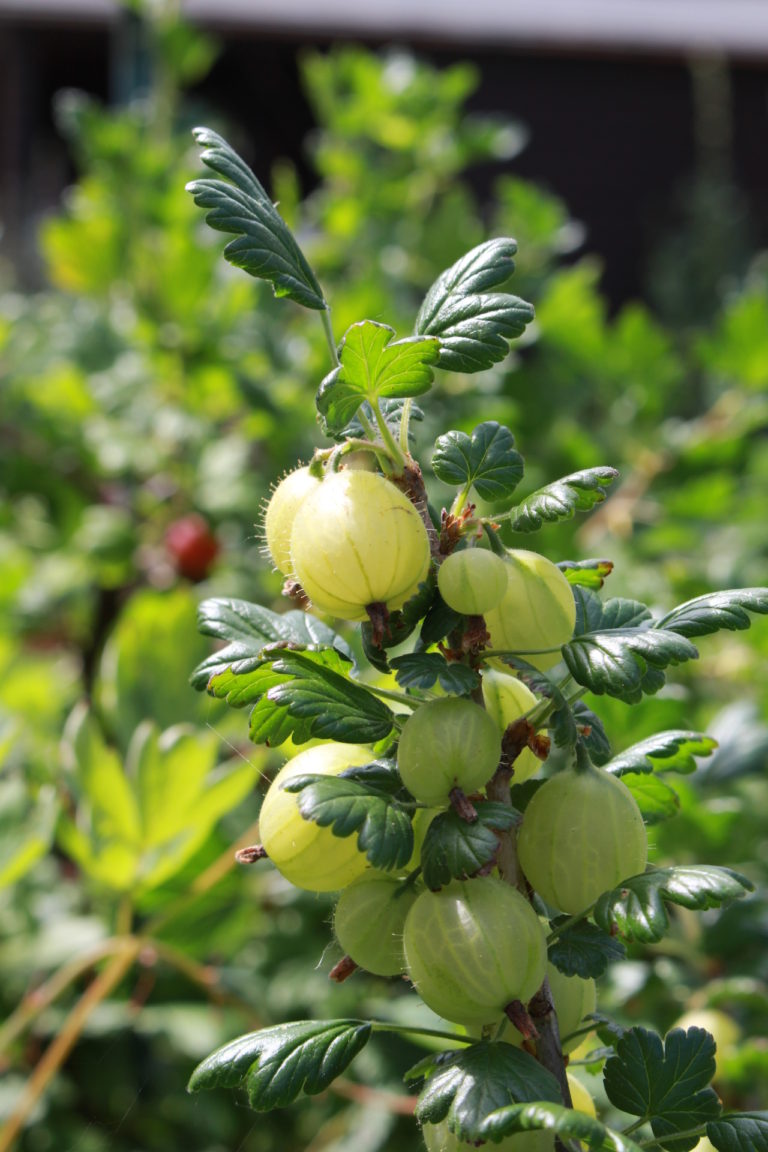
(457, 791)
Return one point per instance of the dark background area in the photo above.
(620, 137)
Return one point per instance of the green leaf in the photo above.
(583, 949)
(383, 826)
(706, 614)
(453, 848)
(424, 669)
(466, 1086)
(474, 325)
(560, 500)
(372, 366)
(277, 1064)
(26, 827)
(593, 734)
(740, 1132)
(664, 1082)
(265, 246)
(486, 459)
(555, 1118)
(304, 695)
(401, 623)
(596, 615)
(636, 908)
(248, 628)
(615, 663)
(587, 573)
(656, 799)
(673, 751)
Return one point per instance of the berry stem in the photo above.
(409, 1029)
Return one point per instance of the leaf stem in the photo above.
(405, 420)
(325, 316)
(674, 1137)
(413, 702)
(393, 448)
(566, 924)
(409, 1029)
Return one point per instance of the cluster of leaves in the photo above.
(146, 382)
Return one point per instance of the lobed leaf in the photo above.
(352, 806)
(583, 949)
(466, 1086)
(672, 751)
(656, 799)
(264, 246)
(425, 669)
(616, 662)
(560, 500)
(247, 629)
(456, 849)
(593, 735)
(473, 324)
(555, 1118)
(665, 1082)
(278, 1064)
(716, 610)
(636, 907)
(740, 1132)
(596, 615)
(372, 366)
(485, 459)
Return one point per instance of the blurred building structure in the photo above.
(612, 92)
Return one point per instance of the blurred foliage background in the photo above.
(150, 395)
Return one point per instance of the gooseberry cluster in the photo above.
(475, 948)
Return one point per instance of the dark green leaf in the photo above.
(596, 615)
(305, 694)
(424, 669)
(439, 621)
(637, 907)
(656, 799)
(522, 794)
(740, 1132)
(372, 367)
(467, 1086)
(277, 1064)
(349, 806)
(453, 848)
(568, 1125)
(615, 662)
(560, 500)
(672, 751)
(588, 573)
(583, 949)
(473, 324)
(265, 246)
(593, 734)
(248, 628)
(666, 1082)
(391, 410)
(486, 459)
(401, 623)
(729, 609)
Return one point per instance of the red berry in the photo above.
(192, 545)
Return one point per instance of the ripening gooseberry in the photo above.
(446, 744)
(472, 948)
(538, 609)
(357, 540)
(369, 920)
(308, 855)
(280, 513)
(723, 1028)
(582, 834)
(507, 699)
(472, 581)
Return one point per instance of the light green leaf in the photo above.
(374, 367)
(579, 492)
